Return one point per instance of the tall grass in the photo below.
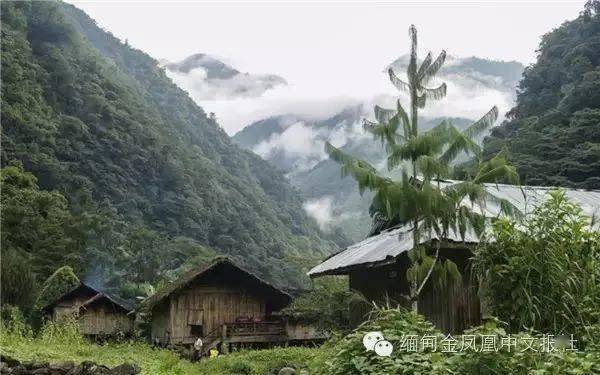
(62, 342)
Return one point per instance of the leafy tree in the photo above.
(59, 283)
(18, 283)
(552, 134)
(37, 224)
(423, 158)
(100, 123)
(543, 273)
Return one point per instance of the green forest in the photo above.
(552, 133)
(113, 177)
(106, 162)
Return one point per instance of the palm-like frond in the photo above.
(397, 82)
(436, 93)
(414, 147)
(433, 68)
(424, 65)
(497, 170)
(483, 123)
(431, 167)
(386, 133)
(363, 172)
(383, 115)
(403, 117)
(459, 142)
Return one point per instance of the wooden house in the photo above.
(222, 304)
(97, 312)
(377, 265)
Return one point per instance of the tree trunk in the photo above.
(416, 291)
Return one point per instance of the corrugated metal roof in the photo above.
(386, 246)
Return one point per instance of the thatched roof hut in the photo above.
(98, 313)
(203, 301)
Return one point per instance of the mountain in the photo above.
(208, 78)
(553, 133)
(295, 145)
(152, 182)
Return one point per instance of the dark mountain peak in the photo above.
(215, 69)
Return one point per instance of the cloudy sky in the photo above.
(330, 53)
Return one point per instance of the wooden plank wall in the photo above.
(106, 320)
(97, 319)
(216, 304)
(452, 309)
(161, 322)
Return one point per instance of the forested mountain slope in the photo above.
(553, 133)
(150, 180)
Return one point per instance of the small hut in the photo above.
(222, 304)
(97, 312)
(377, 265)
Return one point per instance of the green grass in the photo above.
(260, 362)
(59, 349)
(62, 343)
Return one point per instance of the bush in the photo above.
(352, 358)
(327, 304)
(544, 273)
(504, 361)
(13, 323)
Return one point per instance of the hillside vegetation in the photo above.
(129, 176)
(553, 133)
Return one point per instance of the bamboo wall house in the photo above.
(220, 303)
(377, 265)
(97, 312)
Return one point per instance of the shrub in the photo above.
(352, 358)
(518, 361)
(327, 305)
(13, 323)
(544, 273)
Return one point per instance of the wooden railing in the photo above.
(244, 332)
(254, 329)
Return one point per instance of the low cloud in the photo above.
(242, 85)
(301, 146)
(320, 209)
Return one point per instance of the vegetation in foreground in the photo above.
(397, 323)
(59, 343)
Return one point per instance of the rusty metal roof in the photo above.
(384, 247)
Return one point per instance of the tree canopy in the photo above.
(120, 154)
(552, 134)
